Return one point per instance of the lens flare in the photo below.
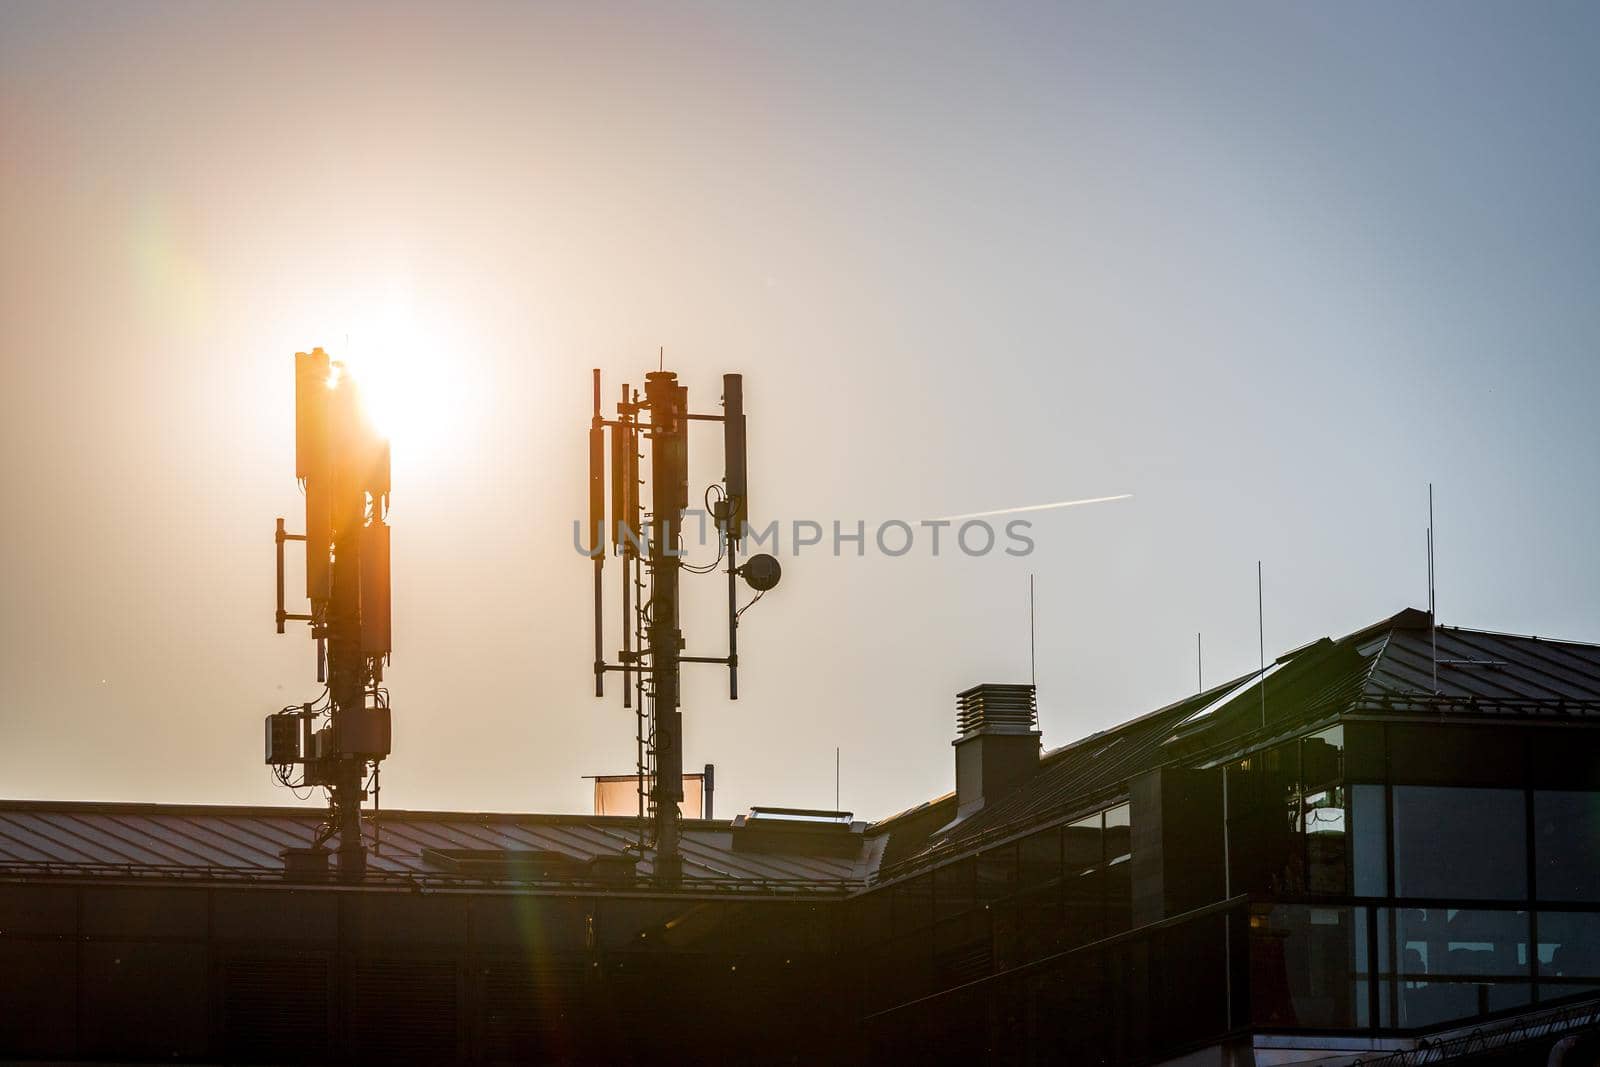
(402, 362)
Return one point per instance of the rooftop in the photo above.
(1386, 669)
(211, 843)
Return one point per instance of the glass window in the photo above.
(1569, 944)
(1084, 844)
(1323, 811)
(1466, 843)
(1322, 759)
(1566, 841)
(1460, 964)
(1326, 842)
(1458, 942)
(1569, 954)
(1370, 826)
(1265, 847)
(1304, 967)
(1432, 1003)
(1119, 839)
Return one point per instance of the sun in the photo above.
(402, 363)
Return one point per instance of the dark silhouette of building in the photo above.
(1340, 859)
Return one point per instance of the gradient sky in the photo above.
(1270, 268)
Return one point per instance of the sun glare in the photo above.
(402, 364)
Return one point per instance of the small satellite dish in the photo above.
(761, 572)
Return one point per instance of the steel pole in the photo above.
(669, 474)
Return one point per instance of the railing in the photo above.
(1538, 1026)
(1238, 967)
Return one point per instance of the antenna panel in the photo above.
(375, 632)
(319, 536)
(311, 370)
(597, 491)
(733, 446)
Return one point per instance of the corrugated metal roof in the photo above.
(201, 841)
(1486, 667)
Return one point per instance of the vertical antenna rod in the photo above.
(1433, 605)
(1199, 666)
(1261, 636)
(597, 531)
(736, 508)
(835, 777)
(622, 449)
(1033, 660)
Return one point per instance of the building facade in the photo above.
(1387, 838)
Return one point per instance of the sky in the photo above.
(1269, 268)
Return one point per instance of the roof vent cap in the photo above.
(996, 708)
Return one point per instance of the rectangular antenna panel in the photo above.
(311, 372)
(375, 635)
(733, 447)
(319, 535)
(597, 492)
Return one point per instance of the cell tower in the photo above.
(652, 637)
(342, 465)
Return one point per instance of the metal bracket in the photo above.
(279, 538)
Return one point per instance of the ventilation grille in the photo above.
(1004, 708)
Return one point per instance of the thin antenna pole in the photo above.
(1199, 666)
(1433, 606)
(835, 777)
(1261, 636)
(1033, 661)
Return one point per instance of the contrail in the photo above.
(1038, 507)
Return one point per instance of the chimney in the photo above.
(998, 744)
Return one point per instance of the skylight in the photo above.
(1238, 690)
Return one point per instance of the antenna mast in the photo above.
(1261, 637)
(1433, 617)
(343, 465)
(1033, 659)
(652, 646)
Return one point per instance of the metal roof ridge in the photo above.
(143, 807)
(1523, 637)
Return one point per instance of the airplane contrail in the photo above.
(1038, 507)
